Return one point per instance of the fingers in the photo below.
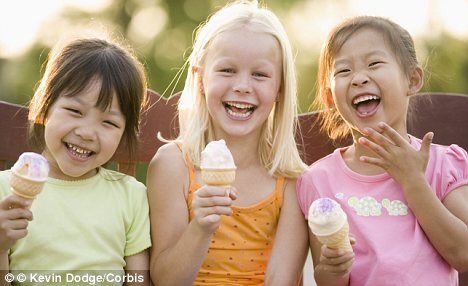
(209, 203)
(378, 149)
(16, 224)
(374, 161)
(14, 201)
(18, 213)
(392, 134)
(426, 143)
(232, 193)
(336, 261)
(352, 239)
(210, 191)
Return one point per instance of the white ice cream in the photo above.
(326, 217)
(217, 156)
(32, 166)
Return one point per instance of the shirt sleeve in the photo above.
(306, 193)
(138, 232)
(454, 170)
(4, 184)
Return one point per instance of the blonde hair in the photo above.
(277, 148)
(398, 39)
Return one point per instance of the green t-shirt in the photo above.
(89, 224)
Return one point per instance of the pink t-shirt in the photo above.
(391, 247)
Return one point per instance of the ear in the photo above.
(328, 98)
(277, 98)
(197, 74)
(416, 81)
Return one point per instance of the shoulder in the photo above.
(168, 162)
(168, 159)
(5, 176)
(442, 152)
(117, 180)
(321, 166)
(446, 156)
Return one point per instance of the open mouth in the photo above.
(238, 110)
(366, 105)
(78, 152)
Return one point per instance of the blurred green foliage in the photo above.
(161, 33)
(173, 21)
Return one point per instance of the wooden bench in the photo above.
(445, 114)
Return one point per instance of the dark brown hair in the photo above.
(398, 39)
(69, 71)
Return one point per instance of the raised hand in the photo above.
(395, 154)
(209, 203)
(13, 220)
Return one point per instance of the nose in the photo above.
(86, 131)
(360, 78)
(243, 84)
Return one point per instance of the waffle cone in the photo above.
(337, 240)
(24, 187)
(218, 177)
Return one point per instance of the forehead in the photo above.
(92, 96)
(364, 41)
(245, 43)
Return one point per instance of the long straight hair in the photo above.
(277, 148)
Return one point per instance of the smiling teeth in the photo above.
(364, 98)
(240, 115)
(78, 149)
(240, 105)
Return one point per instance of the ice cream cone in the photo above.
(24, 187)
(218, 177)
(329, 223)
(28, 175)
(337, 240)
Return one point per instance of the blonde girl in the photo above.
(241, 88)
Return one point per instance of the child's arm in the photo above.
(290, 246)
(138, 264)
(331, 267)
(445, 223)
(13, 224)
(179, 246)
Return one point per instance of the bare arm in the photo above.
(179, 246)
(138, 264)
(4, 268)
(13, 225)
(331, 267)
(445, 224)
(290, 246)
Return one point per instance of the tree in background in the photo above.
(161, 35)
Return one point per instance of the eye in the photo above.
(227, 70)
(342, 71)
(72, 110)
(259, 74)
(374, 63)
(111, 123)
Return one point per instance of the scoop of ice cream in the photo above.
(32, 166)
(217, 156)
(326, 217)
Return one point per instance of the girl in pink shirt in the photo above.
(406, 198)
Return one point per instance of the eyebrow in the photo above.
(113, 112)
(367, 55)
(78, 100)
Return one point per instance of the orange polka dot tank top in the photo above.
(240, 248)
